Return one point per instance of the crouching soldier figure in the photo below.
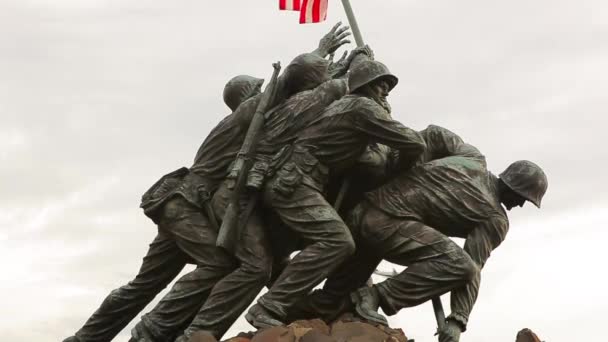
(408, 221)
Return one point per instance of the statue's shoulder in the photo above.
(358, 99)
(360, 102)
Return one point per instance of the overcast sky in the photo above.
(99, 98)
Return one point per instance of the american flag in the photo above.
(311, 11)
(289, 5)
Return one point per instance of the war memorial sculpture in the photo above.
(315, 164)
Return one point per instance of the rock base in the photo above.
(346, 328)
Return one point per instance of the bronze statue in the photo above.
(280, 124)
(331, 143)
(179, 204)
(409, 220)
(271, 168)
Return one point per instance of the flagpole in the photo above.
(354, 27)
(352, 21)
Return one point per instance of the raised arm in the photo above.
(374, 121)
(441, 143)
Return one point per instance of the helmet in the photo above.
(367, 72)
(239, 89)
(526, 179)
(305, 72)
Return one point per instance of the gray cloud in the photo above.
(99, 98)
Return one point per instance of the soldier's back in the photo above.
(452, 194)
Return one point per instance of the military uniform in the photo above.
(176, 204)
(177, 308)
(253, 251)
(408, 220)
(229, 294)
(333, 142)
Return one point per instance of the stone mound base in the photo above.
(346, 329)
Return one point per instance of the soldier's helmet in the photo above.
(305, 72)
(240, 88)
(526, 179)
(370, 71)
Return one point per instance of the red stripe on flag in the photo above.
(316, 5)
(313, 11)
(303, 7)
(290, 5)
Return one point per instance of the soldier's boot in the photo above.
(367, 302)
(261, 318)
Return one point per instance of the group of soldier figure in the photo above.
(328, 124)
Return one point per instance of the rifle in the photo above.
(439, 315)
(229, 231)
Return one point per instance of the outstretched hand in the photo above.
(361, 50)
(450, 332)
(365, 49)
(340, 67)
(333, 40)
